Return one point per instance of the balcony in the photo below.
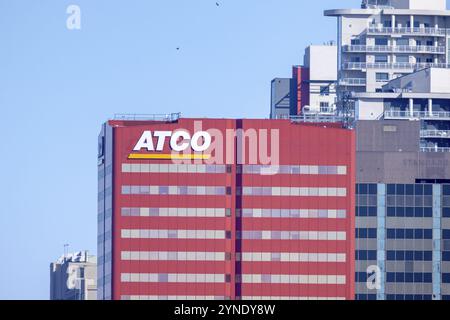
(423, 115)
(434, 149)
(441, 134)
(353, 82)
(395, 49)
(400, 66)
(169, 117)
(437, 32)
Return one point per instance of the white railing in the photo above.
(401, 65)
(436, 115)
(169, 117)
(404, 30)
(435, 134)
(397, 49)
(352, 82)
(434, 149)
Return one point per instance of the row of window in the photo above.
(221, 234)
(176, 212)
(246, 191)
(176, 190)
(401, 212)
(409, 234)
(401, 255)
(398, 277)
(286, 169)
(410, 189)
(173, 256)
(410, 212)
(246, 169)
(294, 213)
(370, 255)
(174, 277)
(410, 277)
(175, 234)
(222, 256)
(366, 211)
(293, 279)
(226, 278)
(366, 233)
(294, 192)
(173, 298)
(293, 257)
(409, 297)
(246, 213)
(293, 235)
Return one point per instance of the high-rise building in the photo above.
(402, 215)
(74, 277)
(387, 39)
(225, 209)
(312, 88)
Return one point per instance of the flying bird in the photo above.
(217, 4)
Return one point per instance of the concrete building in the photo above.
(280, 98)
(402, 215)
(384, 40)
(74, 277)
(423, 97)
(312, 86)
(201, 219)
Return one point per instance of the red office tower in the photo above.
(225, 209)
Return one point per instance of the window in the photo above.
(324, 90)
(381, 58)
(402, 59)
(402, 42)
(381, 41)
(382, 77)
(228, 212)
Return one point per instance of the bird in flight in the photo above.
(217, 4)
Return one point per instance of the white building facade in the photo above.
(387, 39)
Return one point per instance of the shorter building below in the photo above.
(74, 277)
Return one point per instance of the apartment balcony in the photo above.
(394, 49)
(439, 134)
(422, 115)
(435, 32)
(352, 82)
(434, 149)
(399, 66)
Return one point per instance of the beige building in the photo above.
(74, 277)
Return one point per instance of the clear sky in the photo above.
(58, 86)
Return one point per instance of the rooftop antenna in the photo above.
(66, 250)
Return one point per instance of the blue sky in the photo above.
(57, 86)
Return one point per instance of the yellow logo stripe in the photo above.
(138, 156)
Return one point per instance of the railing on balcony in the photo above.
(408, 31)
(434, 149)
(396, 49)
(435, 134)
(169, 117)
(401, 65)
(352, 82)
(435, 115)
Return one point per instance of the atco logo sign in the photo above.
(212, 146)
(179, 141)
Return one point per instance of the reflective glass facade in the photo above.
(402, 247)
